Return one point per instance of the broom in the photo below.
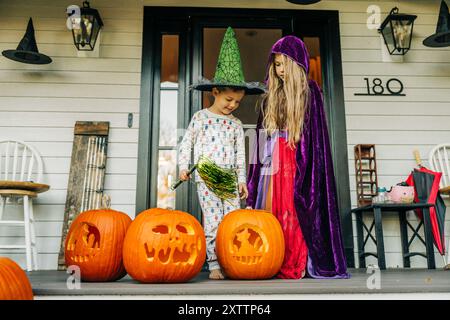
(219, 180)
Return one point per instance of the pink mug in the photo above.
(401, 194)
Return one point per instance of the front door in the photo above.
(182, 44)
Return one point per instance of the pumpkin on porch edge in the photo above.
(250, 244)
(94, 243)
(14, 283)
(164, 245)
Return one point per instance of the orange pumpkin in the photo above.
(14, 283)
(250, 244)
(164, 245)
(94, 244)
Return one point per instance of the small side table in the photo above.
(401, 208)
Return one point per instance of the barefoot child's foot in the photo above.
(216, 274)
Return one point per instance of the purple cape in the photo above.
(315, 188)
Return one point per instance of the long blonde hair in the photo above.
(286, 101)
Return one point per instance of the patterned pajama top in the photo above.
(218, 137)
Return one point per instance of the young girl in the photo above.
(291, 173)
(215, 133)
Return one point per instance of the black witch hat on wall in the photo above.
(441, 38)
(27, 51)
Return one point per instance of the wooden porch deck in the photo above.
(47, 284)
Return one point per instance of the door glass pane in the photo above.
(169, 91)
(315, 66)
(170, 53)
(167, 163)
(168, 111)
(168, 118)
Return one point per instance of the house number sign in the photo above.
(377, 88)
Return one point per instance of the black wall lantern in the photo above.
(397, 31)
(86, 25)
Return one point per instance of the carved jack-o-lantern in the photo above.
(94, 243)
(250, 244)
(164, 245)
(14, 283)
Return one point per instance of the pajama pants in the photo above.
(214, 209)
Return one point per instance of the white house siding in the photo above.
(40, 104)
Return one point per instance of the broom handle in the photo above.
(177, 184)
(417, 157)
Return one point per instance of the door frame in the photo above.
(326, 26)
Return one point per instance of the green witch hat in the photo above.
(229, 69)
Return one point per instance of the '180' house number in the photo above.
(377, 88)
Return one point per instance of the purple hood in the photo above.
(292, 47)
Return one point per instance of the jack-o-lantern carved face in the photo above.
(250, 244)
(94, 243)
(164, 246)
(84, 243)
(174, 244)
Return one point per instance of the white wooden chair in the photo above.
(439, 161)
(20, 172)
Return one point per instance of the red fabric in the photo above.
(432, 200)
(410, 182)
(296, 252)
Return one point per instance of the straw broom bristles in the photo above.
(219, 180)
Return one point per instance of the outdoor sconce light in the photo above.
(397, 31)
(86, 25)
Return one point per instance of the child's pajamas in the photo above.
(214, 209)
(221, 139)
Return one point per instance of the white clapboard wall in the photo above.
(40, 104)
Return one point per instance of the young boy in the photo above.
(215, 133)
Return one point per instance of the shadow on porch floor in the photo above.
(54, 283)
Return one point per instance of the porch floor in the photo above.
(53, 283)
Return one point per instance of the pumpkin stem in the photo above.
(106, 201)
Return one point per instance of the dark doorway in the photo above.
(182, 44)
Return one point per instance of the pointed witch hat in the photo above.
(27, 51)
(441, 38)
(229, 69)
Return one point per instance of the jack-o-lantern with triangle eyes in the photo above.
(164, 245)
(94, 243)
(250, 244)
